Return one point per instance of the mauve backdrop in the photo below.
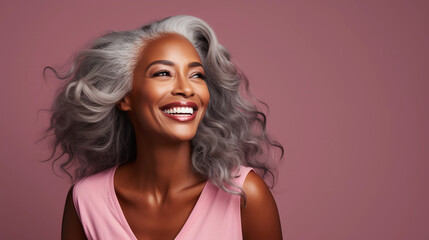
(346, 82)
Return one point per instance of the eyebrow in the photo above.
(170, 63)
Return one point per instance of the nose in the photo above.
(183, 87)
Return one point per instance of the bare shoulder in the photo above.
(259, 217)
(71, 226)
(255, 187)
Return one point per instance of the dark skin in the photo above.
(158, 190)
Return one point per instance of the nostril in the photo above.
(179, 93)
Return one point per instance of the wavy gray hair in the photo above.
(91, 131)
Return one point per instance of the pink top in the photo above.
(216, 215)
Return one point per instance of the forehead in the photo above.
(169, 46)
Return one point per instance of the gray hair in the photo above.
(95, 135)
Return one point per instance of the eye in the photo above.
(199, 75)
(162, 73)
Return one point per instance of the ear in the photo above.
(124, 104)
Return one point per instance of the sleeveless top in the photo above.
(216, 215)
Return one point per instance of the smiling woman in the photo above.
(167, 78)
(163, 144)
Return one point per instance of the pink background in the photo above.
(347, 83)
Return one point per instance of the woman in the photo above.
(162, 143)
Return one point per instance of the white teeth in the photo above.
(178, 110)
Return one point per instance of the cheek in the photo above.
(141, 102)
(204, 95)
(147, 94)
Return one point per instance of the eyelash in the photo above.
(158, 74)
(200, 75)
(162, 72)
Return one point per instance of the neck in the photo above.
(163, 167)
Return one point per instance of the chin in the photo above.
(182, 135)
(182, 138)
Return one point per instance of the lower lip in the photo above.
(181, 118)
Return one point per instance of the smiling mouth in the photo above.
(180, 111)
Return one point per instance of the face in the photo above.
(169, 95)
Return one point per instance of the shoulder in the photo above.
(260, 217)
(71, 225)
(92, 189)
(240, 174)
(95, 181)
(255, 187)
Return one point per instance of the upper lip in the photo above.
(180, 104)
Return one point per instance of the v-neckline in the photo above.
(124, 221)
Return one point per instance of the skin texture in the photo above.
(71, 227)
(158, 190)
(259, 217)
